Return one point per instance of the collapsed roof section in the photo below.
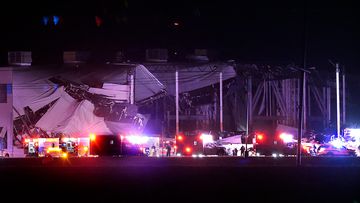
(77, 119)
(191, 76)
(36, 87)
(98, 96)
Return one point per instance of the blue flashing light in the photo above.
(45, 20)
(56, 20)
(337, 143)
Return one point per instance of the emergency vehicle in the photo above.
(281, 144)
(4, 153)
(31, 147)
(275, 140)
(56, 147)
(105, 145)
(276, 145)
(132, 144)
(192, 143)
(75, 146)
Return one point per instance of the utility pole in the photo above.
(302, 89)
(301, 115)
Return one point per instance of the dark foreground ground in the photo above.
(141, 179)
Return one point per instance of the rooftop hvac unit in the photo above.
(200, 55)
(201, 52)
(75, 56)
(157, 55)
(118, 57)
(20, 58)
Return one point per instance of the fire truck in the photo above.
(275, 141)
(43, 147)
(278, 144)
(31, 147)
(55, 147)
(105, 145)
(132, 144)
(192, 143)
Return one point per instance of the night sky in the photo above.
(247, 31)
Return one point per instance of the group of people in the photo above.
(153, 151)
(242, 151)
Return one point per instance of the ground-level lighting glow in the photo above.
(286, 137)
(206, 138)
(92, 136)
(337, 143)
(137, 139)
(64, 155)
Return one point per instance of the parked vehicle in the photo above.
(330, 150)
(4, 153)
(214, 149)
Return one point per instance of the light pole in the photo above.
(177, 102)
(338, 126)
(248, 112)
(337, 100)
(221, 102)
(343, 98)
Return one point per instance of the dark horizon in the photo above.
(257, 31)
(252, 32)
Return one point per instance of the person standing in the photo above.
(242, 150)
(168, 150)
(235, 151)
(152, 151)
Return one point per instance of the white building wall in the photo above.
(6, 117)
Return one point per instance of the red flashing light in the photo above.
(92, 136)
(180, 138)
(188, 149)
(98, 21)
(260, 137)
